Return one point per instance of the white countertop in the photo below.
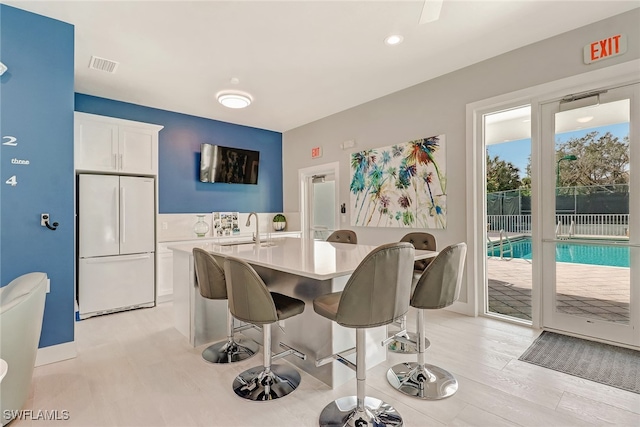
(304, 257)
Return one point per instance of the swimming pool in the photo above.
(579, 254)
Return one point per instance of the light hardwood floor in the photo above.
(135, 369)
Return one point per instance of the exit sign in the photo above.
(316, 152)
(605, 48)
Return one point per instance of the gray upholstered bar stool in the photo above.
(421, 241)
(343, 236)
(251, 301)
(212, 285)
(376, 293)
(438, 287)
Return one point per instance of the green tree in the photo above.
(601, 160)
(501, 175)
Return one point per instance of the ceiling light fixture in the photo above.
(234, 99)
(584, 119)
(393, 40)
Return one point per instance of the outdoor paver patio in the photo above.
(593, 291)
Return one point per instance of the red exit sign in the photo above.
(316, 152)
(605, 48)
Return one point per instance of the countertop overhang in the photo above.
(315, 259)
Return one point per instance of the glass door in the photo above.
(324, 194)
(590, 207)
(508, 264)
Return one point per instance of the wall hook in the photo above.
(44, 222)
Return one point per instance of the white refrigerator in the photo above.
(116, 243)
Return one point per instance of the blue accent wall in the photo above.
(36, 107)
(179, 186)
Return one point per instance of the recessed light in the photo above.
(234, 99)
(585, 119)
(393, 39)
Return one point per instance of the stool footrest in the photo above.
(287, 352)
(400, 336)
(340, 357)
(247, 326)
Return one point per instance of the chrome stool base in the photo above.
(343, 412)
(401, 347)
(229, 352)
(424, 382)
(257, 384)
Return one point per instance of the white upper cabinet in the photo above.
(105, 144)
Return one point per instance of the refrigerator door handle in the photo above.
(102, 260)
(122, 216)
(116, 213)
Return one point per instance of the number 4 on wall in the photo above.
(13, 181)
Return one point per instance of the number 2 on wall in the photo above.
(13, 181)
(11, 141)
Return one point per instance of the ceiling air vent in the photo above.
(102, 64)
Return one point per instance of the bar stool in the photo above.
(376, 293)
(212, 285)
(438, 287)
(420, 241)
(251, 301)
(343, 236)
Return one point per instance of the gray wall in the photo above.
(438, 107)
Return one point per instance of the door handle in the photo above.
(123, 220)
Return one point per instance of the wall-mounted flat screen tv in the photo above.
(227, 164)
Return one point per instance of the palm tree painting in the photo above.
(402, 185)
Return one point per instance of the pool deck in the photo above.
(593, 291)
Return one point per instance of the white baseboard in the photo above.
(463, 308)
(56, 353)
(164, 298)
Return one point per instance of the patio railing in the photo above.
(566, 224)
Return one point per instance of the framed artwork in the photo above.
(401, 185)
(225, 223)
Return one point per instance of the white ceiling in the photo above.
(300, 60)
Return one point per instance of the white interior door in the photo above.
(590, 211)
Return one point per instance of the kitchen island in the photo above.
(301, 268)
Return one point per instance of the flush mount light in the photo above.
(585, 119)
(234, 99)
(393, 39)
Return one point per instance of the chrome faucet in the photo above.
(257, 238)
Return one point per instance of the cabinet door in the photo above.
(96, 146)
(138, 150)
(164, 280)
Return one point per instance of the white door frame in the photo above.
(475, 165)
(305, 186)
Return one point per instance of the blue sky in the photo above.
(518, 152)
